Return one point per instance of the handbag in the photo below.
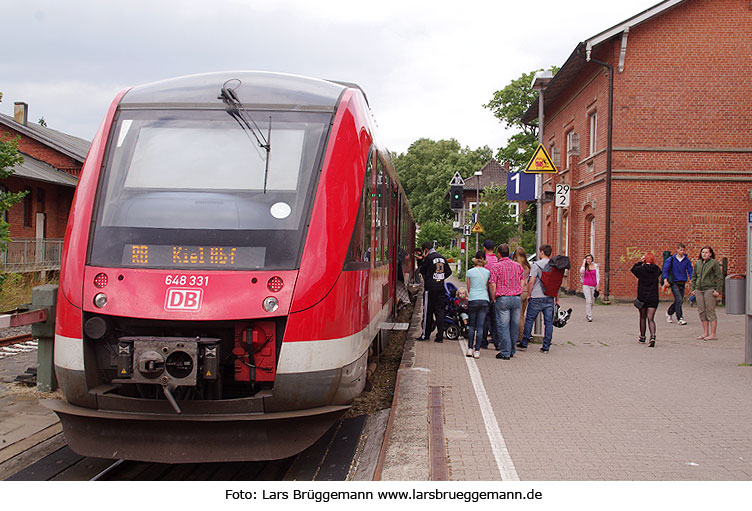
(639, 304)
(596, 293)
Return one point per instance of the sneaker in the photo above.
(420, 338)
(589, 319)
(502, 357)
(439, 340)
(521, 347)
(682, 321)
(668, 318)
(469, 352)
(476, 354)
(544, 350)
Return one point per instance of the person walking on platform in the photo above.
(521, 257)
(477, 288)
(489, 327)
(538, 302)
(434, 270)
(505, 286)
(707, 279)
(647, 273)
(591, 277)
(677, 270)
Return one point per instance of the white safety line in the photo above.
(498, 445)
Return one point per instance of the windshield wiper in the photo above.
(238, 112)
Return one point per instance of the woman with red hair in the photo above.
(647, 273)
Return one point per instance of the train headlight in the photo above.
(100, 300)
(270, 304)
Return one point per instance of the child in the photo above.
(460, 305)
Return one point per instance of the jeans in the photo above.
(477, 310)
(534, 306)
(508, 323)
(589, 292)
(677, 288)
(490, 327)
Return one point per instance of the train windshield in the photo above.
(193, 188)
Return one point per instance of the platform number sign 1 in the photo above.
(562, 195)
(520, 186)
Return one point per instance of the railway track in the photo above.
(16, 339)
(329, 459)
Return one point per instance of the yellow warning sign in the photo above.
(208, 373)
(540, 162)
(123, 371)
(477, 228)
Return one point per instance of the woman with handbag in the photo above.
(707, 280)
(647, 273)
(591, 277)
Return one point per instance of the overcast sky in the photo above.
(426, 66)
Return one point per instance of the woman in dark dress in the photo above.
(647, 273)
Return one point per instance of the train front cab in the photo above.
(187, 363)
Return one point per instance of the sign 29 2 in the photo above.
(562, 195)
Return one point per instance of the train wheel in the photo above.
(453, 332)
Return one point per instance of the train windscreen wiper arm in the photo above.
(238, 112)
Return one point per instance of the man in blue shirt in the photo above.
(677, 271)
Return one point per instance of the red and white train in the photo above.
(233, 246)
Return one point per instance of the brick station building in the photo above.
(678, 157)
(52, 164)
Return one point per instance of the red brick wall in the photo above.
(57, 199)
(682, 141)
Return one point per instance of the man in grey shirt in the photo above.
(538, 302)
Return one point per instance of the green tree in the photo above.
(426, 169)
(509, 105)
(496, 217)
(9, 157)
(439, 231)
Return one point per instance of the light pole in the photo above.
(478, 173)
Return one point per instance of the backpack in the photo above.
(553, 274)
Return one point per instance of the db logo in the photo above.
(183, 299)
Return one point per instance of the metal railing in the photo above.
(31, 254)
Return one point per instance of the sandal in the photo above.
(651, 344)
(702, 337)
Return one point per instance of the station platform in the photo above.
(599, 406)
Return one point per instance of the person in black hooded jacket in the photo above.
(434, 270)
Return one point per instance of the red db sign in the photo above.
(182, 299)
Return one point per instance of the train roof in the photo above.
(256, 89)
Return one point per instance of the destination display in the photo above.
(184, 256)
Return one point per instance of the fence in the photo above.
(31, 254)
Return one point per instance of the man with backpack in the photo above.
(541, 299)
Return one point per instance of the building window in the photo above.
(592, 235)
(573, 146)
(593, 132)
(566, 235)
(28, 206)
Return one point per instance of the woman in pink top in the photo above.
(591, 277)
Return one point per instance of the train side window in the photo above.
(379, 210)
(359, 251)
(387, 199)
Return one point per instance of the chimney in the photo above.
(506, 165)
(20, 112)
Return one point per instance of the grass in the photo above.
(15, 289)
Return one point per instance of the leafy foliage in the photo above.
(509, 105)
(495, 216)
(9, 157)
(426, 169)
(439, 231)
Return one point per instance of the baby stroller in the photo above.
(455, 315)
